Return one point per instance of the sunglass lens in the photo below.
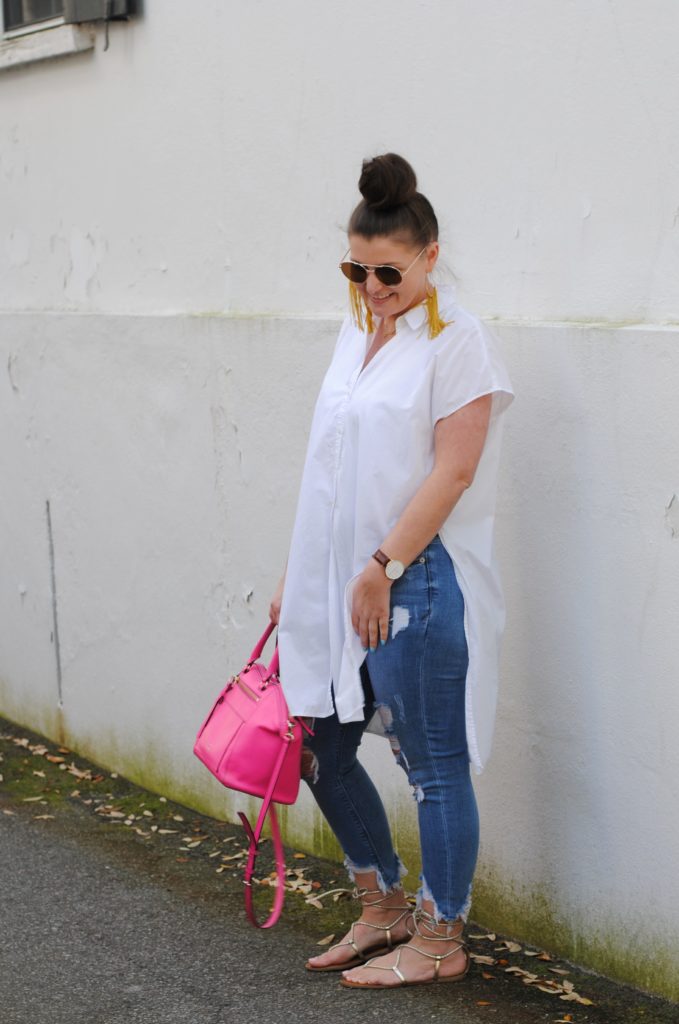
(354, 272)
(388, 275)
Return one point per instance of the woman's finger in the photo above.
(355, 621)
(384, 628)
(373, 628)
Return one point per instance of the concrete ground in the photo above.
(120, 907)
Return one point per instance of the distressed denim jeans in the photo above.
(416, 682)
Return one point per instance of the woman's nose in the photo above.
(373, 283)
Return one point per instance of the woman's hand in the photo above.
(370, 606)
(275, 606)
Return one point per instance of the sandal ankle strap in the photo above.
(422, 917)
(360, 894)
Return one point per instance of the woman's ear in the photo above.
(431, 256)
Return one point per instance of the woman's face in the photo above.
(392, 300)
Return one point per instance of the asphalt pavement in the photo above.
(120, 907)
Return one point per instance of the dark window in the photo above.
(17, 13)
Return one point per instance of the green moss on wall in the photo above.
(631, 952)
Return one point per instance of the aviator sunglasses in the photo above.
(358, 272)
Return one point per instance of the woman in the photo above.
(391, 602)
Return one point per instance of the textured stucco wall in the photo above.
(208, 160)
(168, 210)
(171, 506)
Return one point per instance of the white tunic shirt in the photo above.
(371, 446)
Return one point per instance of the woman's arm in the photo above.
(275, 606)
(458, 444)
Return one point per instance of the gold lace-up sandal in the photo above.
(420, 919)
(386, 942)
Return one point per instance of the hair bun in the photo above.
(387, 181)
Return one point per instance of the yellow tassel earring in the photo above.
(358, 306)
(436, 324)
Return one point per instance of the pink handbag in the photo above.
(251, 744)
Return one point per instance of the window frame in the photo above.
(33, 26)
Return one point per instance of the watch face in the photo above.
(394, 569)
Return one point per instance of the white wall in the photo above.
(208, 160)
(202, 169)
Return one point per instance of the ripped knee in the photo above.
(310, 766)
(387, 720)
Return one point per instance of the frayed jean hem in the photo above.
(462, 913)
(385, 883)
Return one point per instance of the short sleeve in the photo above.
(468, 365)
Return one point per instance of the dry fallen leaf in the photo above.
(31, 799)
(326, 941)
(482, 959)
(53, 759)
(513, 947)
(41, 775)
(335, 893)
(557, 970)
(491, 936)
(299, 856)
(42, 817)
(6, 811)
(488, 977)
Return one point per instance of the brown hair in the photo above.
(391, 204)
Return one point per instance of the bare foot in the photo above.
(393, 914)
(415, 967)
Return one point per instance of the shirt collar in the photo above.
(414, 317)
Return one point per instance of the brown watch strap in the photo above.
(380, 557)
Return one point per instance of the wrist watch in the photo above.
(392, 567)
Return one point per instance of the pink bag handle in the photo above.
(254, 837)
(268, 807)
(259, 647)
